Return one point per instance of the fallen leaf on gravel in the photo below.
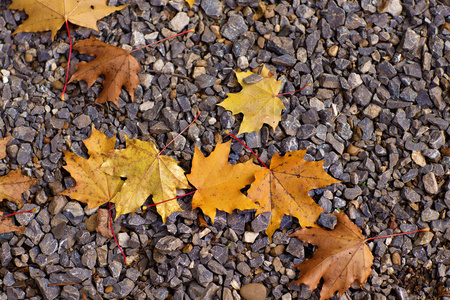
(6, 225)
(219, 183)
(283, 189)
(341, 258)
(13, 184)
(147, 173)
(92, 186)
(258, 102)
(3, 143)
(46, 15)
(118, 65)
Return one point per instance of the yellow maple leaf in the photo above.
(258, 102)
(147, 173)
(93, 187)
(219, 183)
(283, 189)
(44, 15)
(13, 184)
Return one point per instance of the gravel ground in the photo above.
(377, 113)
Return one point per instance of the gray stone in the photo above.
(234, 27)
(203, 81)
(296, 248)
(327, 220)
(243, 268)
(352, 193)
(49, 292)
(362, 95)
(70, 292)
(252, 79)
(329, 81)
(169, 243)
(212, 8)
(216, 267)
(74, 212)
(353, 21)
(49, 244)
(57, 204)
(125, 287)
(386, 69)
(285, 60)
(80, 274)
(436, 97)
(281, 45)
(410, 194)
(24, 133)
(82, 121)
(334, 15)
(429, 215)
(5, 254)
(202, 275)
(25, 219)
(178, 22)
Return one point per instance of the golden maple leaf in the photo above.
(283, 189)
(13, 184)
(148, 173)
(258, 102)
(219, 183)
(92, 187)
(118, 65)
(3, 143)
(46, 15)
(341, 258)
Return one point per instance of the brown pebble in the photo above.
(28, 57)
(109, 289)
(173, 94)
(187, 248)
(253, 291)
(278, 250)
(57, 85)
(91, 223)
(396, 259)
(333, 50)
(353, 150)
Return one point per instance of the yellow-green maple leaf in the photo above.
(147, 173)
(258, 102)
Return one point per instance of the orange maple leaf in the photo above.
(341, 258)
(283, 189)
(46, 15)
(118, 65)
(219, 183)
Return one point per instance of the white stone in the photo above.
(178, 22)
(242, 62)
(354, 80)
(146, 105)
(250, 237)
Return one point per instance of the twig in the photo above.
(170, 74)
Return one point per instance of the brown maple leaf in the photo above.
(341, 258)
(219, 183)
(283, 189)
(118, 65)
(46, 15)
(6, 225)
(3, 143)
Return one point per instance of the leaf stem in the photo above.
(396, 234)
(179, 133)
(232, 135)
(154, 204)
(187, 31)
(308, 84)
(20, 212)
(114, 235)
(68, 63)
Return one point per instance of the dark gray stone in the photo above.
(234, 28)
(327, 220)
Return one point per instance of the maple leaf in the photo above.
(341, 258)
(283, 189)
(6, 225)
(44, 15)
(118, 65)
(258, 102)
(92, 187)
(3, 143)
(148, 173)
(14, 184)
(219, 183)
